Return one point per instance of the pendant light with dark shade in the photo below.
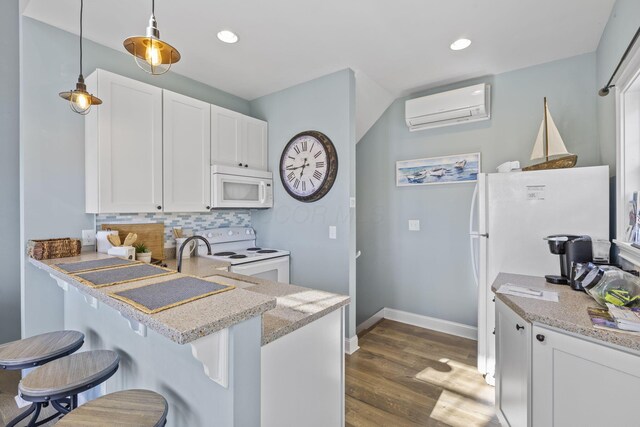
(79, 99)
(152, 54)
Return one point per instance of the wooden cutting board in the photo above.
(152, 235)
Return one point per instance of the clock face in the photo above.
(308, 166)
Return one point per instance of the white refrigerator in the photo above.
(511, 213)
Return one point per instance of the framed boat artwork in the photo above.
(454, 169)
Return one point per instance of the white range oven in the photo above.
(237, 246)
(235, 187)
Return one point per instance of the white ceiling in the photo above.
(401, 45)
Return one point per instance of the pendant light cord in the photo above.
(81, 10)
(153, 7)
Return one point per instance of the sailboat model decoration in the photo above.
(550, 147)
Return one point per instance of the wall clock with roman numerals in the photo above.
(308, 166)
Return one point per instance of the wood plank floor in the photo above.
(8, 409)
(409, 376)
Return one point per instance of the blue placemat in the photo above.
(96, 264)
(118, 275)
(172, 293)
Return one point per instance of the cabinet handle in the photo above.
(494, 299)
(518, 327)
(208, 208)
(159, 207)
(246, 166)
(240, 164)
(540, 337)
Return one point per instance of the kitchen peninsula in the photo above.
(237, 354)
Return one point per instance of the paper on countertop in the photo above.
(522, 291)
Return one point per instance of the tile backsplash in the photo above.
(188, 221)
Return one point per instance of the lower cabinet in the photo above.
(546, 378)
(580, 383)
(513, 366)
(302, 376)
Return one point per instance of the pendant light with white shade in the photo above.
(152, 54)
(79, 99)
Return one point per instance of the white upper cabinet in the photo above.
(253, 150)
(187, 152)
(151, 150)
(123, 146)
(238, 140)
(226, 136)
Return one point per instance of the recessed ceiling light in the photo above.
(227, 36)
(460, 44)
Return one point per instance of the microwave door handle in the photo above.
(262, 192)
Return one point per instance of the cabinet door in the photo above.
(513, 357)
(226, 136)
(254, 153)
(580, 383)
(129, 134)
(187, 152)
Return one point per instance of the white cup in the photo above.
(188, 250)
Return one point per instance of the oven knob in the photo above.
(230, 233)
(210, 235)
(247, 232)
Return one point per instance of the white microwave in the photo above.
(233, 187)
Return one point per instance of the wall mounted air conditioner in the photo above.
(469, 104)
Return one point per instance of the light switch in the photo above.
(414, 225)
(333, 234)
(88, 237)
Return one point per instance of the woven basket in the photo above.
(53, 248)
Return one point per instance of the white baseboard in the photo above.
(370, 321)
(351, 344)
(439, 325)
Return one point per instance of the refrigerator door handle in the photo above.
(473, 235)
(474, 200)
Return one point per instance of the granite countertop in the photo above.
(181, 324)
(296, 306)
(198, 266)
(569, 314)
(284, 307)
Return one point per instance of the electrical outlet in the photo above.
(333, 234)
(414, 225)
(88, 237)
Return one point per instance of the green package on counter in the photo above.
(614, 286)
(621, 297)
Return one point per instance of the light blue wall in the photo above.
(9, 174)
(429, 272)
(52, 148)
(327, 105)
(622, 25)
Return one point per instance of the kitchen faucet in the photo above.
(185, 243)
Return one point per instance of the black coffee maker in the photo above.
(571, 249)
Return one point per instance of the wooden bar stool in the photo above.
(40, 349)
(129, 408)
(58, 383)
